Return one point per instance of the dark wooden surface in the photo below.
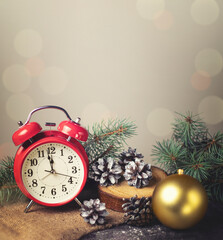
(210, 227)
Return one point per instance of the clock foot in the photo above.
(29, 206)
(78, 202)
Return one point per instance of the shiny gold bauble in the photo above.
(179, 201)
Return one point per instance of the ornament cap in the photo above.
(180, 171)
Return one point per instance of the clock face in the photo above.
(53, 173)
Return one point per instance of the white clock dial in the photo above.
(53, 173)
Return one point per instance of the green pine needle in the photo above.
(6, 171)
(196, 151)
(168, 153)
(214, 191)
(108, 138)
(189, 129)
(214, 143)
(196, 165)
(9, 192)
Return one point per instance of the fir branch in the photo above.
(6, 171)
(189, 129)
(107, 151)
(196, 165)
(214, 143)
(10, 194)
(196, 151)
(107, 139)
(9, 191)
(214, 191)
(168, 154)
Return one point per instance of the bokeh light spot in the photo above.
(28, 43)
(204, 12)
(16, 78)
(210, 61)
(200, 80)
(211, 109)
(163, 20)
(148, 9)
(53, 80)
(18, 106)
(35, 66)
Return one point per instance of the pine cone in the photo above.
(137, 211)
(106, 171)
(93, 211)
(127, 156)
(138, 173)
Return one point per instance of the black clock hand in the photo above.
(60, 174)
(51, 163)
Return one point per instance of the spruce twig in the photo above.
(189, 129)
(214, 143)
(6, 171)
(107, 139)
(168, 154)
(196, 165)
(195, 150)
(9, 192)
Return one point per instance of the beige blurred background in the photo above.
(139, 59)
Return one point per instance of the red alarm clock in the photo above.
(51, 166)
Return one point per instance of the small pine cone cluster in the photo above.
(138, 211)
(106, 171)
(93, 211)
(128, 156)
(137, 173)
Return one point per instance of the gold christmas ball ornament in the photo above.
(179, 201)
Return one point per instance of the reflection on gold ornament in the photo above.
(179, 201)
